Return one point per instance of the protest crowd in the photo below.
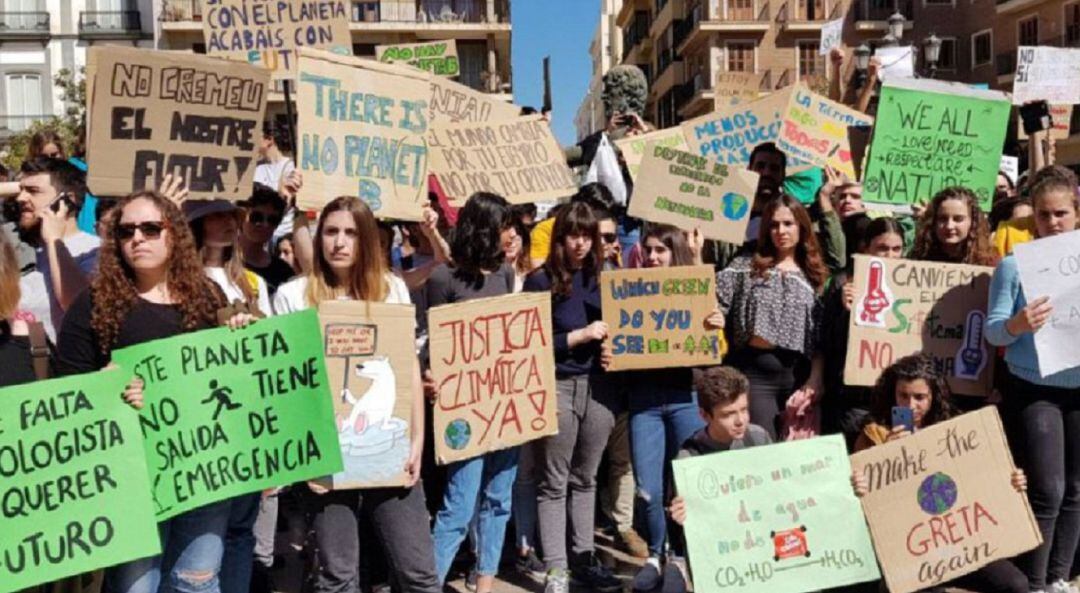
(512, 346)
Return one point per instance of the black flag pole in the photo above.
(290, 116)
(547, 85)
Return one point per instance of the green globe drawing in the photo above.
(937, 494)
(457, 434)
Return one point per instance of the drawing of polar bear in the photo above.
(376, 406)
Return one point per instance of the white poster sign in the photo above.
(831, 35)
(1051, 267)
(1049, 74)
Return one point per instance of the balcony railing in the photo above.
(181, 10)
(802, 12)
(664, 58)
(739, 11)
(17, 123)
(24, 23)
(428, 11)
(874, 10)
(636, 32)
(109, 22)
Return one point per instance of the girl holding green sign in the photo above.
(150, 285)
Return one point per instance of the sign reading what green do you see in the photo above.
(233, 412)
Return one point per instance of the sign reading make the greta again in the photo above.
(234, 412)
(941, 504)
(155, 113)
(74, 492)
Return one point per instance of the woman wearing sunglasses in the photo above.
(350, 264)
(263, 214)
(150, 285)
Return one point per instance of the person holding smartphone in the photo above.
(51, 193)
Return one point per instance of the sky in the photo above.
(562, 29)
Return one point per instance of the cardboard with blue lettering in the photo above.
(903, 307)
(730, 134)
(941, 503)
(690, 191)
(656, 317)
(268, 34)
(362, 129)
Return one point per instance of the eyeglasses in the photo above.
(256, 217)
(149, 229)
(609, 237)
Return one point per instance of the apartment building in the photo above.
(605, 51)
(481, 29)
(38, 38)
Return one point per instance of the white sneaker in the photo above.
(1062, 586)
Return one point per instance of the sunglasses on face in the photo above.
(261, 218)
(149, 230)
(609, 237)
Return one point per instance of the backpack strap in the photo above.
(39, 349)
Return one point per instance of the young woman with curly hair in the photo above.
(566, 463)
(150, 285)
(1045, 409)
(349, 264)
(914, 382)
(953, 230)
(482, 485)
(772, 306)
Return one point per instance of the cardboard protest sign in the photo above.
(452, 102)
(494, 364)
(234, 412)
(75, 494)
(1060, 123)
(904, 306)
(930, 135)
(268, 34)
(370, 359)
(361, 126)
(775, 518)
(815, 130)
(730, 134)
(832, 34)
(1050, 267)
(155, 113)
(734, 88)
(1050, 74)
(941, 502)
(690, 191)
(437, 57)
(633, 147)
(1010, 165)
(518, 159)
(656, 317)
(896, 62)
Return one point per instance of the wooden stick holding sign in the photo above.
(656, 317)
(903, 307)
(940, 503)
(494, 366)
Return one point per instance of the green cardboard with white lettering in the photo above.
(234, 412)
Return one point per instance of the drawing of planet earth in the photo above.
(735, 206)
(457, 434)
(937, 494)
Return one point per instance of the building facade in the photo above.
(605, 51)
(480, 28)
(39, 38)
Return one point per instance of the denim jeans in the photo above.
(239, 544)
(661, 419)
(192, 544)
(566, 465)
(525, 498)
(1048, 423)
(482, 485)
(400, 520)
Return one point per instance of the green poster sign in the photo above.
(775, 518)
(233, 412)
(74, 493)
(930, 135)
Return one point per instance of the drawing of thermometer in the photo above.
(973, 355)
(875, 300)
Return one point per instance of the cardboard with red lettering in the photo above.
(941, 502)
(152, 113)
(815, 129)
(903, 307)
(1060, 123)
(493, 362)
(269, 34)
(656, 317)
(371, 364)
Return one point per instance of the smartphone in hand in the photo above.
(902, 416)
(1035, 117)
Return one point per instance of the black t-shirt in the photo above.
(16, 363)
(277, 273)
(78, 349)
